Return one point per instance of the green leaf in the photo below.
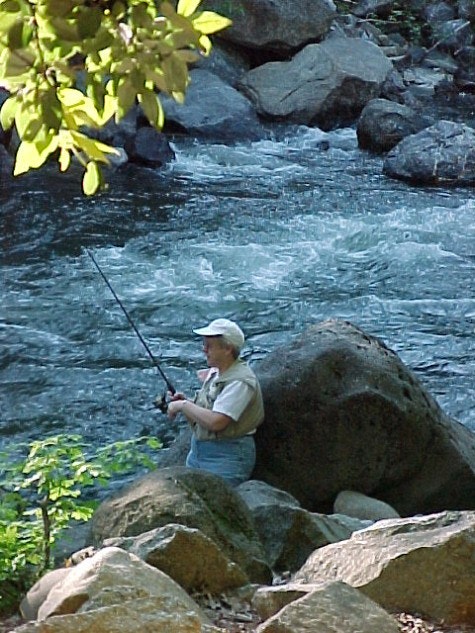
(11, 6)
(187, 7)
(176, 73)
(18, 63)
(126, 94)
(16, 35)
(89, 21)
(158, 79)
(208, 22)
(65, 29)
(94, 149)
(64, 159)
(60, 8)
(7, 112)
(152, 108)
(92, 179)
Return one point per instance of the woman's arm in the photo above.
(211, 420)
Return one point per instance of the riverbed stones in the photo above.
(196, 499)
(324, 85)
(344, 413)
(442, 154)
(423, 564)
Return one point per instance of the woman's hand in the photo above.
(175, 406)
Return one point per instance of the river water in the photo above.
(277, 234)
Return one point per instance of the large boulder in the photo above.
(419, 565)
(442, 154)
(213, 109)
(344, 413)
(193, 498)
(325, 85)
(275, 25)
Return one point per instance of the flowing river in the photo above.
(276, 234)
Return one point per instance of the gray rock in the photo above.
(380, 8)
(288, 532)
(149, 148)
(355, 504)
(213, 109)
(442, 154)
(39, 592)
(187, 555)
(334, 607)
(325, 85)
(383, 124)
(275, 25)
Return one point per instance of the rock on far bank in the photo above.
(442, 154)
(277, 26)
(213, 109)
(325, 84)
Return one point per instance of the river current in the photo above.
(276, 234)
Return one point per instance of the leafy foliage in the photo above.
(40, 494)
(70, 65)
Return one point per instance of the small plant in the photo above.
(402, 19)
(42, 492)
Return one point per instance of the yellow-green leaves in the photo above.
(72, 65)
(187, 7)
(152, 108)
(91, 179)
(208, 22)
(7, 113)
(31, 155)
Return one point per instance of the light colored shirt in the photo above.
(233, 399)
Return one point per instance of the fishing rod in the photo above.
(161, 405)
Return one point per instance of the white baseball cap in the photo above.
(226, 328)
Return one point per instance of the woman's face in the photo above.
(217, 352)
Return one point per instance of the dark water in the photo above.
(276, 234)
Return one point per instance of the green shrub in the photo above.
(41, 492)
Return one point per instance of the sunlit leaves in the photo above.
(71, 65)
(208, 22)
(91, 179)
(187, 7)
(42, 488)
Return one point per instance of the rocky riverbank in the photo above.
(179, 550)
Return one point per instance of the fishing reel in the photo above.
(161, 403)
